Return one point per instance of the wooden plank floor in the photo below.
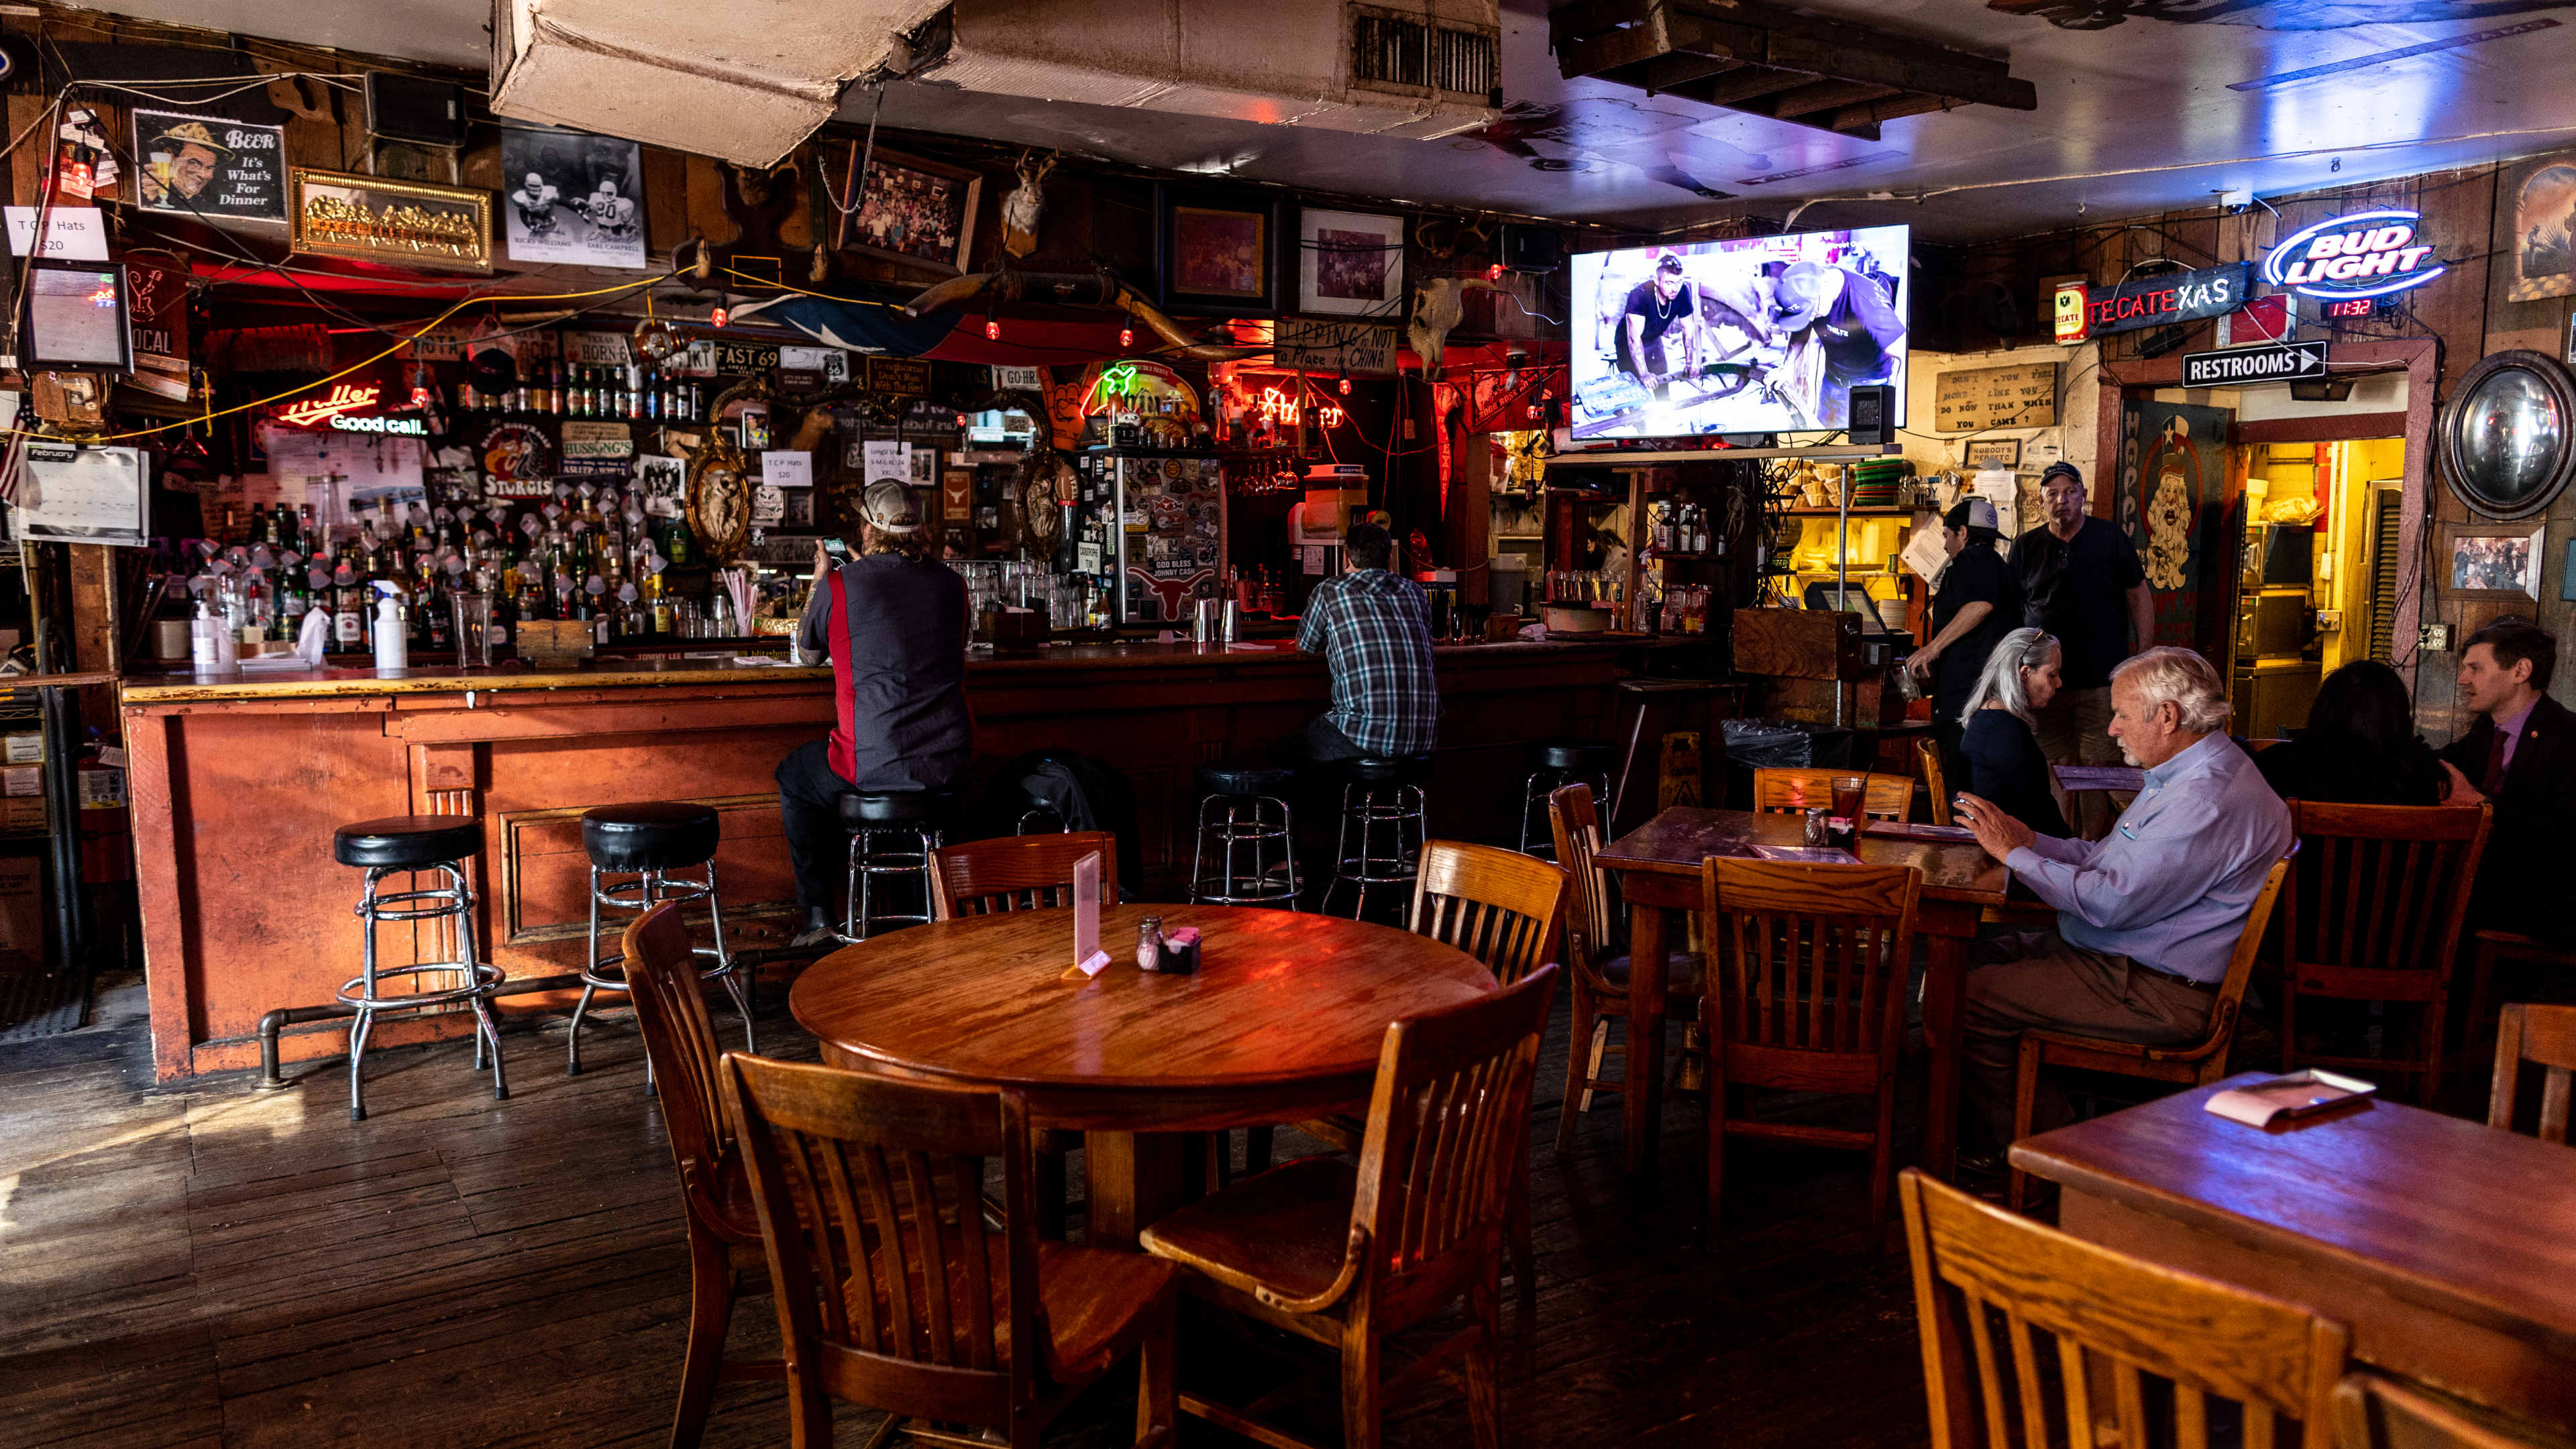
(212, 1266)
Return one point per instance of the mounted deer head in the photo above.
(1022, 209)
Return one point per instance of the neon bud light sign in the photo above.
(2366, 254)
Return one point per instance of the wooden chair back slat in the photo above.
(1574, 822)
(1778, 791)
(1809, 958)
(1018, 873)
(1447, 1129)
(2167, 1345)
(1929, 752)
(872, 1214)
(1499, 906)
(2540, 1034)
(680, 1042)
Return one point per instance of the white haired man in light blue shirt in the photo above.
(2148, 915)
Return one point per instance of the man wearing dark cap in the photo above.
(1852, 320)
(895, 626)
(2081, 581)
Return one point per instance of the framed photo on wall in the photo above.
(1994, 453)
(907, 208)
(1350, 264)
(2494, 563)
(2539, 201)
(1215, 251)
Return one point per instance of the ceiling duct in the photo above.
(745, 80)
(1424, 70)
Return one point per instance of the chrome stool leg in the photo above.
(590, 967)
(486, 1022)
(474, 980)
(727, 968)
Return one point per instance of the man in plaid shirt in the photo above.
(1374, 630)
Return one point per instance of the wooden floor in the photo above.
(217, 1266)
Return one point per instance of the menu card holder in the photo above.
(1088, 959)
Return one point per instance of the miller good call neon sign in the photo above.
(2366, 254)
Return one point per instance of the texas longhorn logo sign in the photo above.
(2365, 254)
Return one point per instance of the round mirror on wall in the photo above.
(2508, 438)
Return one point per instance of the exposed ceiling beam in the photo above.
(1826, 95)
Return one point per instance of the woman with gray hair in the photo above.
(1999, 744)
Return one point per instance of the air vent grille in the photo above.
(1408, 53)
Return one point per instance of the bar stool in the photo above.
(440, 843)
(1555, 763)
(1379, 793)
(1261, 790)
(647, 842)
(910, 818)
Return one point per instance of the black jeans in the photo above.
(809, 800)
(1320, 742)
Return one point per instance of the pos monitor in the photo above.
(75, 317)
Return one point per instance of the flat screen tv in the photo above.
(1763, 335)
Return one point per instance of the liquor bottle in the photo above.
(677, 546)
(348, 608)
(294, 597)
(555, 389)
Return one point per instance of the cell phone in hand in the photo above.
(836, 550)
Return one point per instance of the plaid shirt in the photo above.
(1374, 630)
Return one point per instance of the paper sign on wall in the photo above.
(783, 469)
(72, 233)
(885, 458)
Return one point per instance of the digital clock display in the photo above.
(2352, 307)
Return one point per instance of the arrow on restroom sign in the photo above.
(2271, 363)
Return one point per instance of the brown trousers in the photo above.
(2037, 979)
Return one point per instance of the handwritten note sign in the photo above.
(2023, 395)
(1088, 959)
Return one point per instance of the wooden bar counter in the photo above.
(239, 781)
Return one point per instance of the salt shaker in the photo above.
(1818, 831)
(1149, 944)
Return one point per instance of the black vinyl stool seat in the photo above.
(1553, 763)
(1242, 808)
(430, 844)
(647, 841)
(915, 820)
(408, 842)
(1379, 793)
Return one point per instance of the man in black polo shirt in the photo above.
(2081, 581)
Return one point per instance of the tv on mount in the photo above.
(1758, 335)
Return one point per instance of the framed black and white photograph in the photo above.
(1350, 264)
(572, 197)
(664, 482)
(209, 168)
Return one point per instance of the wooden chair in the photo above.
(1888, 797)
(892, 1289)
(1806, 991)
(719, 1216)
(2545, 1035)
(2193, 1064)
(1499, 906)
(1347, 1253)
(2372, 912)
(2372, 1412)
(1505, 909)
(2496, 948)
(1928, 751)
(1597, 980)
(2019, 1320)
(1017, 873)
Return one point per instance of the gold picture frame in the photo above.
(375, 219)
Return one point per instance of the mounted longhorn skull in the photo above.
(1022, 209)
(1438, 305)
(1072, 289)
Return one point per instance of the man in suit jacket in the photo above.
(2521, 755)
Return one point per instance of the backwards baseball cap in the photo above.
(1971, 513)
(2069, 469)
(888, 505)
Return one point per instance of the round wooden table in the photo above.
(1282, 1021)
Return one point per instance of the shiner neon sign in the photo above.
(2366, 254)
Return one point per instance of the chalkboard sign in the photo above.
(1968, 400)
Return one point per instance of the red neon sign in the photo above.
(306, 412)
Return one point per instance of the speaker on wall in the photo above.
(1532, 248)
(1873, 415)
(408, 108)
